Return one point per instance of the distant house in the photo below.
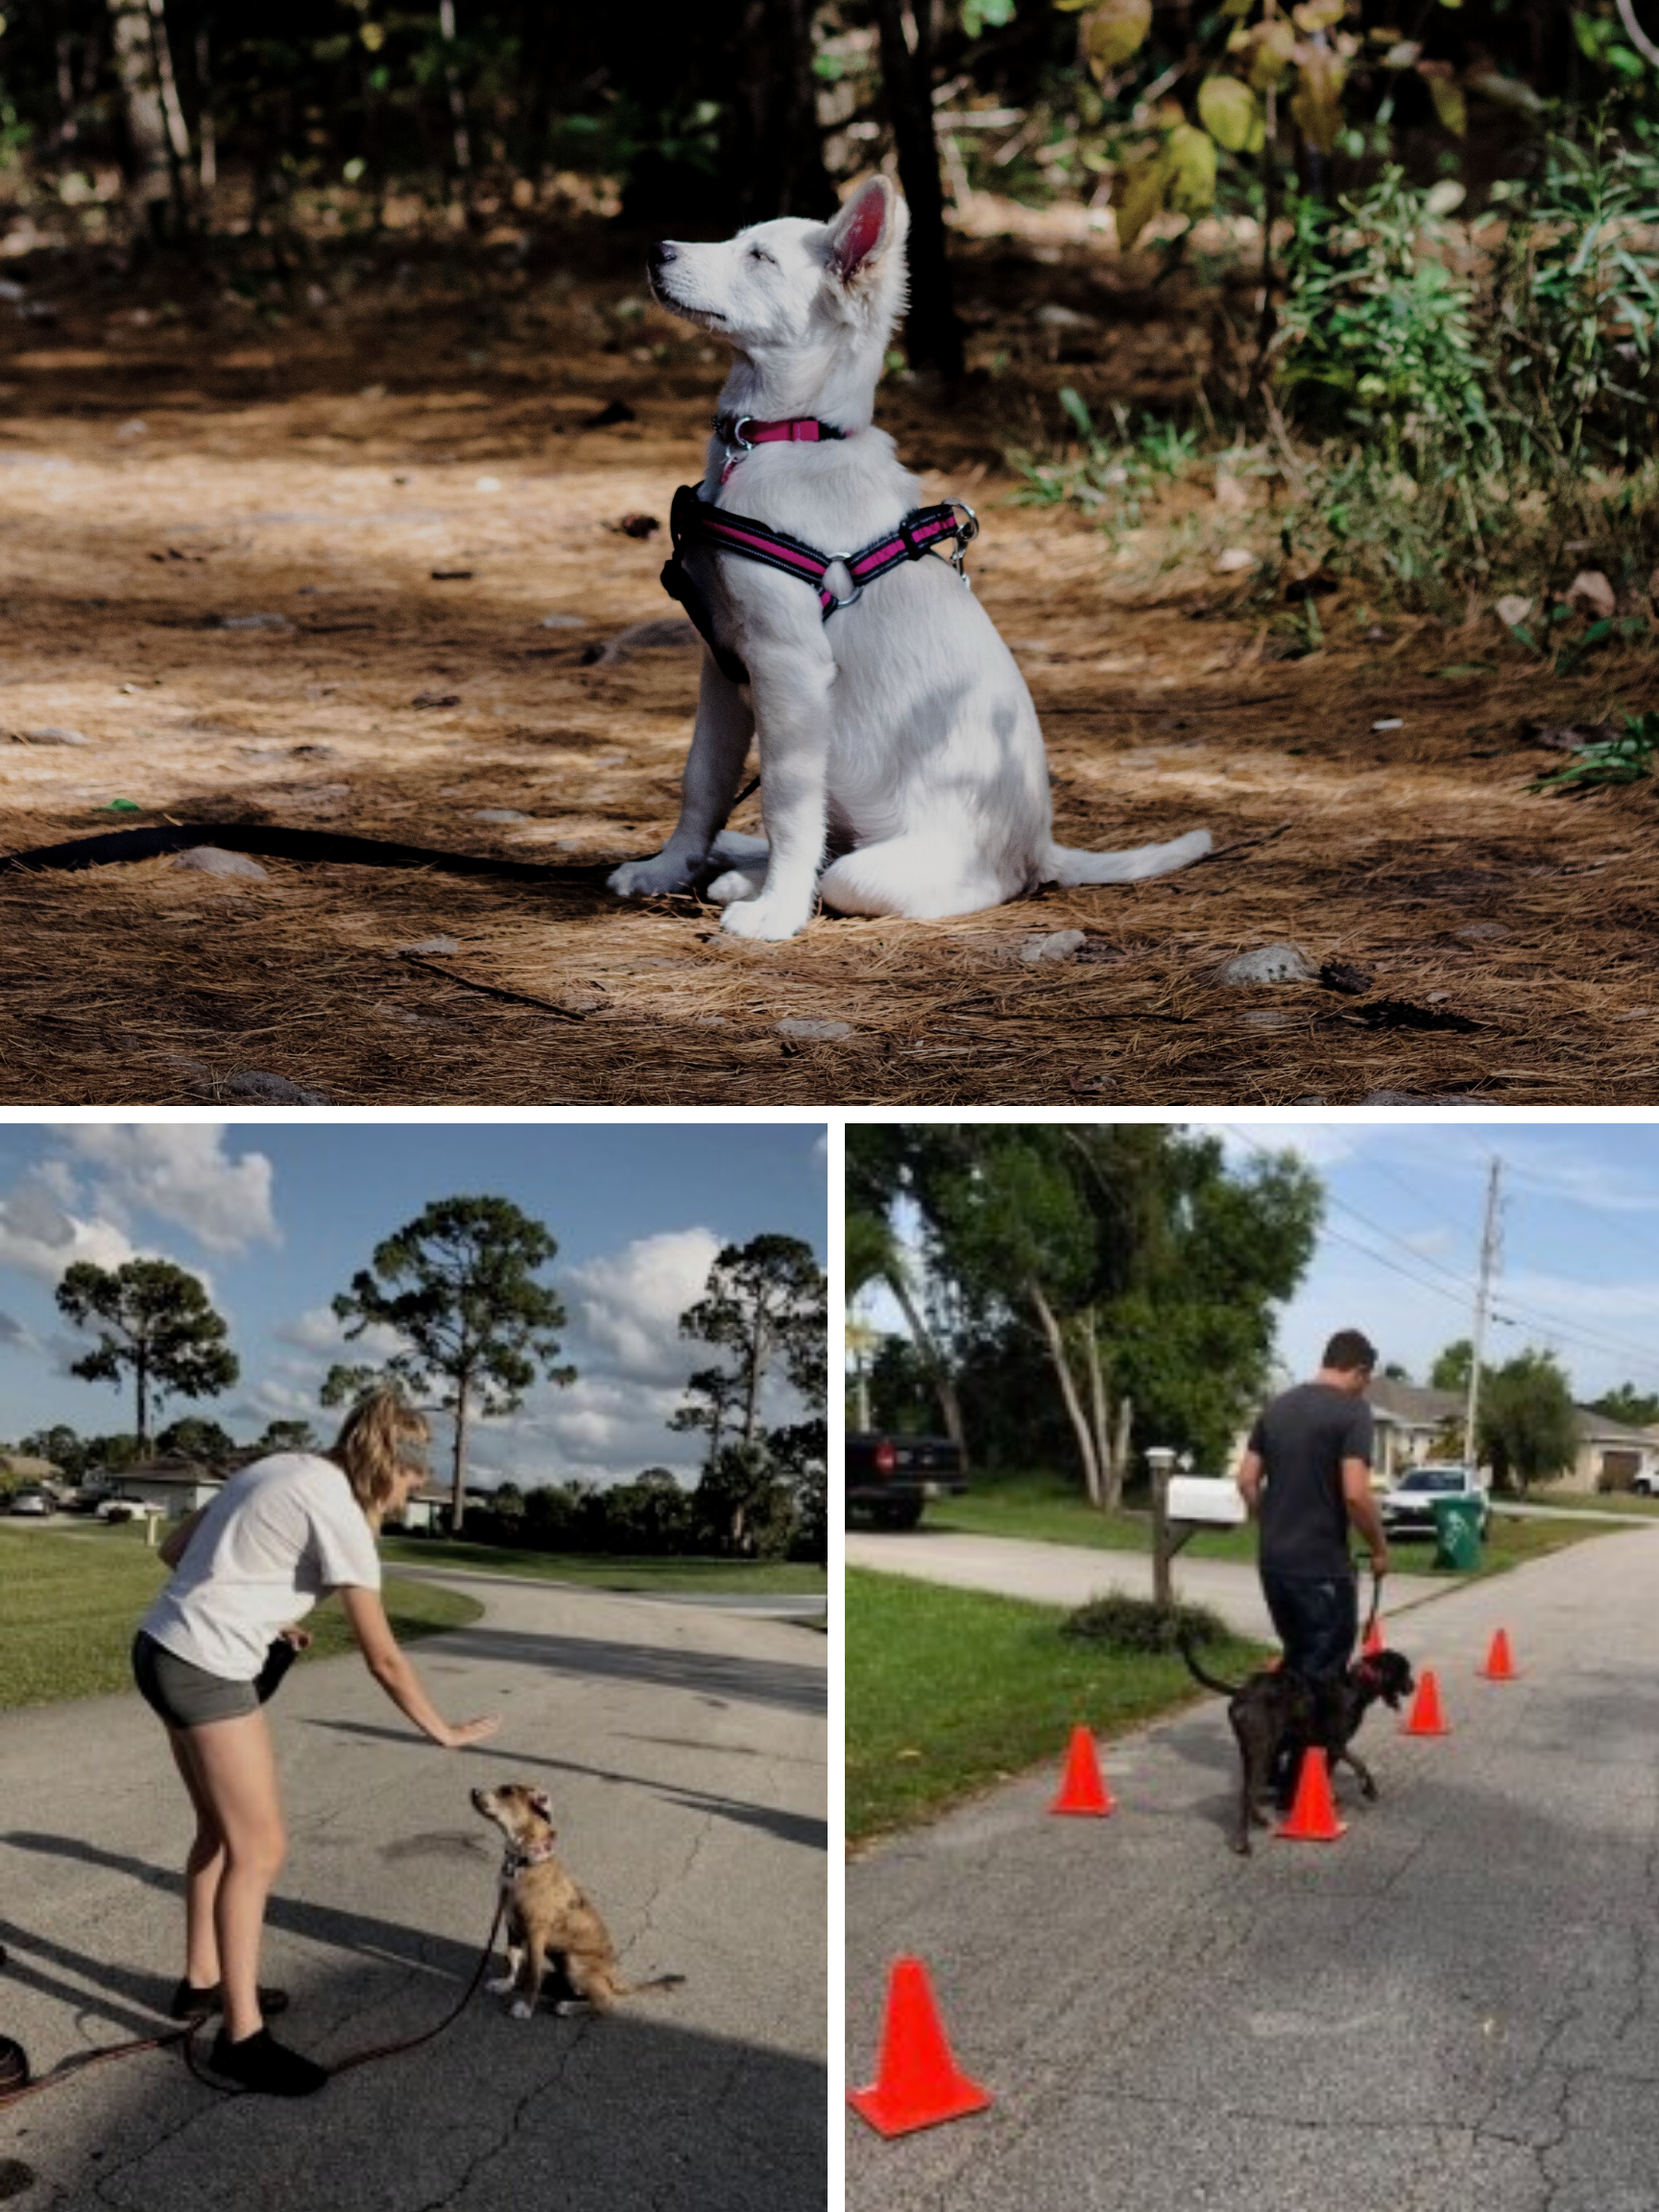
(171, 1486)
(18, 1468)
(426, 1513)
(1413, 1421)
(1610, 1455)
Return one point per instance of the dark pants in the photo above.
(1318, 1622)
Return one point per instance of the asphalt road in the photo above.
(1455, 2009)
(684, 1753)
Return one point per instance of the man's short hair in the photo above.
(1349, 1349)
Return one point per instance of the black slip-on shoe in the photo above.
(262, 2064)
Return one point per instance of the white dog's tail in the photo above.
(1065, 865)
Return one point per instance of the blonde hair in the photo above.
(369, 1448)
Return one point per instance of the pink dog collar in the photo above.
(740, 432)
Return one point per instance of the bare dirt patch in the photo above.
(312, 590)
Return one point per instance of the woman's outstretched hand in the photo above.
(471, 1732)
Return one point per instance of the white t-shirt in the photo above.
(280, 1534)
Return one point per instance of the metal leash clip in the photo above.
(966, 532)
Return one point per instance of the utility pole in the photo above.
(1489, 1256)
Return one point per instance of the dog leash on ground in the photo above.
(15, 2084)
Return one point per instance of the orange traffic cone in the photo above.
(1083, 1790)
(1426, 1718)
(1313, 1816)
(1374, 1641)
(1500, 1667)
(919, 2083)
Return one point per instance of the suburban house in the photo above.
(19, 1470)
(1414, 1423)
(1610, 1455)
(171, 1486)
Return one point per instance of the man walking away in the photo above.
(1306, 1479)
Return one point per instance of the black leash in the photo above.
(14, 2065)
(279, 842)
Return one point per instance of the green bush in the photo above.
(1123, 1624)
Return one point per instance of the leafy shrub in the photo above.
(1135, 1624)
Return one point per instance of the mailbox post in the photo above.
(1160, 1458)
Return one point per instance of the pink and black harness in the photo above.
(694, 520)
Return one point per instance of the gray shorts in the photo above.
(184, 1695)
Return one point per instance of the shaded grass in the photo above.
(951, 1691)
(73, 1602)
(607, 1571)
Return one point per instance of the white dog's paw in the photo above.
(522, 2010)
(768, 920)
(734, 885)
(501, 1988)
(649, 878)
(572, 2007)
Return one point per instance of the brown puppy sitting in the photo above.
(547, 1915)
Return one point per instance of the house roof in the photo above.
(1597, 1429)
(30, 1469)
(180, 1471)
(1413, 1404)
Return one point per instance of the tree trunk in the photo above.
(458, 1505)
(172, 114)
(944, 1382)
(1117, 1464)
(1102, 1498)
(208, 175)
(1067, 1386)
(457, 100)
(141, 1387)
(777, 149)
(754, 1371)
(932, 332)
(148, 174)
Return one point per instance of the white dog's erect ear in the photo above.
(866, 227)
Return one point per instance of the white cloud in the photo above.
(180, 1172)
(319, 1333)
(625, 1309)
(40, 1237)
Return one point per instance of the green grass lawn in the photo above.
(1624, 1501)
(950, 1691)
(71, 1603)
(602, 1571)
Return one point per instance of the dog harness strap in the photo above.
(692, 516)
(742, 431)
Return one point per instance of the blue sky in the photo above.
(277, 1219)
(1580, 1256)
(1400, 1249)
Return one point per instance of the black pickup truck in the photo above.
(891, 1477)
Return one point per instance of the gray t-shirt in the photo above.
(1302, 1439)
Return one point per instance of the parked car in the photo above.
(891, 1477)
(1646, 1485)
(31, 1501)
(1408, 1508)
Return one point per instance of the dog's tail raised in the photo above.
(1196, 1669)
(1069, 868)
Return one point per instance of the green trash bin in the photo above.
(1457, 1534)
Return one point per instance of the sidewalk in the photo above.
(1068, 1574)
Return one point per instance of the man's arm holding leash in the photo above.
(397, 1678)
(1249, 1481)
(1362, 1511)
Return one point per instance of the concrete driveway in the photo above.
(1455, 2009)
(685, 1754)
(1069, 1575)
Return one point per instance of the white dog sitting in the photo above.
(896, 735)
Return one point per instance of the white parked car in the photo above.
(1408, 1508)
(31, 1501)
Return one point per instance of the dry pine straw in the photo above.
(1413, 854)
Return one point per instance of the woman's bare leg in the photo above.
(203, 1870)
(235, 1771)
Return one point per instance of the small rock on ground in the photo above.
(1268, 964)
(799, 1029)
(268, 1089)
(214, 861)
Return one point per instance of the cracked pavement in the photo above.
(1455, 2009)
(684, 1751)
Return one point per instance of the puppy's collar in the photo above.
(517, 1861)
(738, 433)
